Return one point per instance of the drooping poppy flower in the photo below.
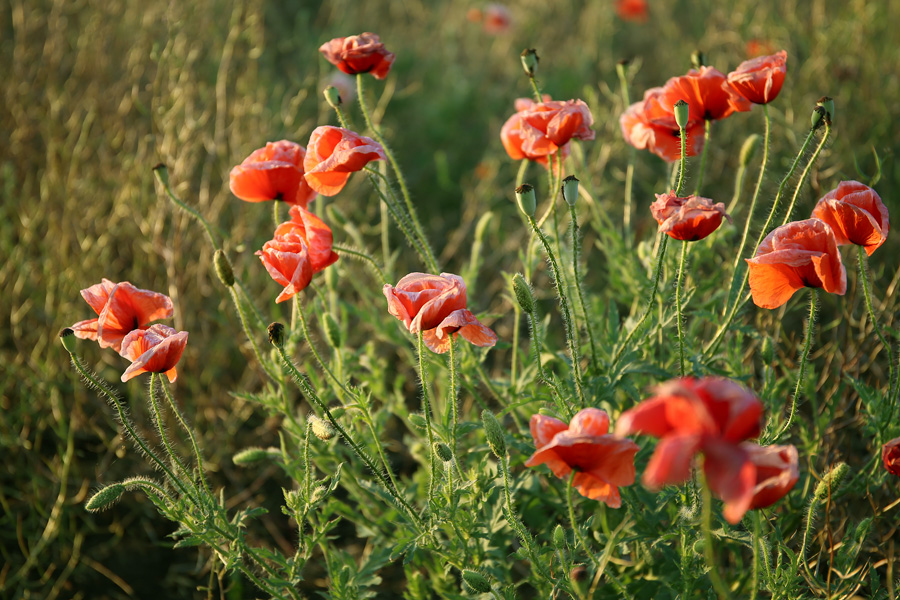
(890, 456)
(662, 140)
(711, 416)
(797, 255)
(274, 172)
(333, 154)
(759, 80)
(776, 472)
(286, 258)
(632, 10)
(436, 306)
(690, 219)
(856, 215)
(363, 53)
(707, 92)
(540, 129)
(315, 234)
(121, 308)
(603, 461)
(154, 350)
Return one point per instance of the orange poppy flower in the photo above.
(315, 234)
(890, 456)
(540, 129)
(707, 92)
(856, 215)
(603, 461)
(154, 350)
(286, 258)
(632, 10)
(363, 53)
(710, 416)
(690, 219)
(776, 472)
(121, 308)
(662, 140)
(333, 154)
(495, 18)
(436, 306)
(797, 255)
(759, 80)
(272, 173)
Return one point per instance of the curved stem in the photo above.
(574, 524)
(315, 351)
(706, 130)
(401, 218)
(805, 174)
(362, 256)
(807, 344)
(864, 281)
(629, 171)
(162, 175)
(759, 180)
(190, 433)
(718, 584)
(536, 90)
(576, 251)
(682, 136)
(561, 401)
(426, 408)
(678, 287)
(249, 333)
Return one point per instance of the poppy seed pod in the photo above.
(526, 199)
(494, 433)
(332, 97)
(570, 189)
(223, 268)
(818, 117)
(530, 60)
(698, 59)
(828, 104)
(523, 293)
(67, 337)
(276, 334)
(682, 113)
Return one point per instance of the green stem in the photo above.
(249, 333)
(629, 171)
(805, 174)
(426, 409)
(574, 523)
(678, 307)
(682, 136)
(275, 216)
(164, 437)
(362, 256)
(536, 90)
(576, 252)
(454, 395)
(759, 180)
(162, 175)
(342, 118)
(322, 365)
(561, 401)
(755, 540)
(513, 374)
(190, 433)
(807, 344)
(706, 130)
(718, 584)
(401, 218)
(864, 281)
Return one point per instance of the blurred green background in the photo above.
(95, 94)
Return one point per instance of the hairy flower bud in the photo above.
(530, 61)
(443, 451)
(332, 331)
(526, 199)
(831, 481)
(818, 117)
(67, 337)
(223, 268)
(494, 433)
(276, 334)
(332, 97)
(105, 497)
(250, 455)
(418, 421)
(748, 150)
(559, 537)
(476, 581)
(321, 429)
(523, 293)
(698, 59)
(570, 189)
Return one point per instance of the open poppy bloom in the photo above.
(856, 215)
(603, 461)
(333, 154)
(711, 416)
(121, 308)
(154, 350)
(363, 53)
(540, 129)
(759, 80)
(689, 219)
(315, 233)
(797, 255)
(890, 456)
(776, 472)
(662, 140)
(495, 18)
(436, 306)
(707, 92)
(632, 10)
(274, 172)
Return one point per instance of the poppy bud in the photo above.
(162, 173)
(332, 331)
(622, 68)
(250, 455)
(698, 59)
(418, 421)
(476, 581)
(223, 268)
(494, 433)
(443, 451)
(67, 337)
(559, 537)
(570, 189)
(105, 497)
(332, 97)
(319, 494)
(530, 61)
(767, 351)
(321, 429)
(682, 113)
(818, 117)
(276, 334)
(523, 293)
(831, 481)
(828, 104)
(749, 149)
(526, 199)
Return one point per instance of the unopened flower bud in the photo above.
(682, 113)
(530, 61)
(767, 352)
(319, 494)
(418, 421)
(105, 497)
(698, 59)
(818, 117)
(162, 173)
(276, 334)
(443, 451)
(321, 429)
(332, 97)
(250, 455)
(526, 199)
(476, 581)
(67, 337)
(622, 68)
(332, 331)
(223, 268)
(523, 293)
(828, 104)
(559, 537)
(570, 189)
(749, 149)
(494, 433)
(831, 481)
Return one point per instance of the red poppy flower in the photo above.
(121, 308)
(315, 234)
(709, 415)
(890, 456)
(707, 93)
(776, 472)
(436, 306)
(797, 255)
(690, 219)
(603, 461)
(856, 215)
(759, 80)
(632, 10)
(661, 140)
(495, 18)
(333, 154)
(363, 53)
(154, 350)
(272, 173)
(540, 129)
